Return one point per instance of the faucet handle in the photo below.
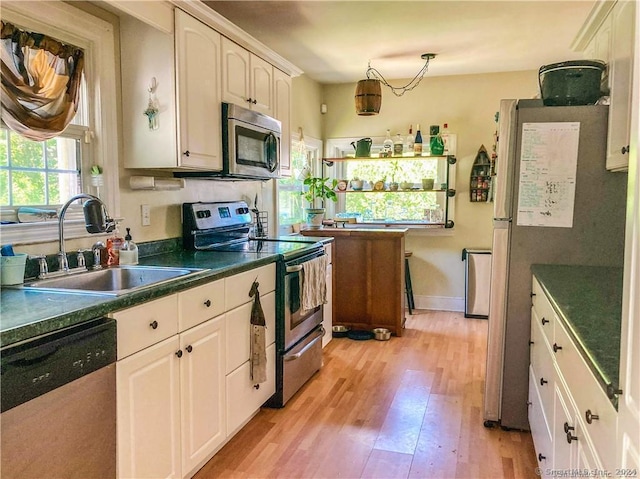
(80, 258)
(42, 265)
(97, 249)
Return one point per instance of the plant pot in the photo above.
(393, 186)
(314, 217)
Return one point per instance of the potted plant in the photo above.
(395, 167)
(318, 189)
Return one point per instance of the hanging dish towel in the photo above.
(258, 347)
(314, 283)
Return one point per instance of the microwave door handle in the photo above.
(271, 147)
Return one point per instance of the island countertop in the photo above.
(588, 300)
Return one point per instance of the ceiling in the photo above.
(332, 41)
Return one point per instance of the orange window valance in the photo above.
(40, 83)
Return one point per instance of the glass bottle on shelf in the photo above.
(387, 146)
(398, 145)
(410, 141)
(417, 144)
(436, 143)
(449, 140)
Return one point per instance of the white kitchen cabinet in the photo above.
(565, 397)
(282, 112)
(327, 310)
(247, 79)
(186, 92)
(148, 393)
(198, 73)
(202, 392)
(620, 77)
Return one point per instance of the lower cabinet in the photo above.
(573, 423)
(171, 403)
(183, 375)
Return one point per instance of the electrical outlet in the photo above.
(146, 215)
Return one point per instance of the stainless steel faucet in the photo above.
(95, 222)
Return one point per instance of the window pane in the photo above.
(4, 159)
(28, 188)
(26, 153)
(62, 154)
(62, 186)
(4, 187)
(290, 207)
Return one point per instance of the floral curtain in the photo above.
(40, 83)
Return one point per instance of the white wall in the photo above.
(468, 104)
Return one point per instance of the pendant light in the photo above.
(368, 95)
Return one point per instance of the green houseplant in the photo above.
(317, 189)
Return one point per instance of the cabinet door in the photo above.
(236, 86)
(199, 92)
(327, 310)
(282, 112)
(202, 384)
(261, 78)
(620, 77)
(563, 451)
(244, 397)
(239, 330)
(149, 413)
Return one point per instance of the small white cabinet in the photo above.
(247, 80)
(282, 112)
(620, 77)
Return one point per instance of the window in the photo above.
(45, 174)
(410, 204)
(290, 203)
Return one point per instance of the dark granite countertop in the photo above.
(26, 314)
(588, 300)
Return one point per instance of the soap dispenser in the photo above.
(128, 250)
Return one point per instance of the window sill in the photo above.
(45, 232)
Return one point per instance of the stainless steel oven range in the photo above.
(226, 226)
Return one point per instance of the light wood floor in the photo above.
(410, 407)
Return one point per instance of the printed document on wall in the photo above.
(548, 168)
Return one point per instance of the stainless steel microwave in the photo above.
(250, 143)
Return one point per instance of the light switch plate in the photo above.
(146, 215)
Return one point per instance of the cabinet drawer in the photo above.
(544, 311)
(146, 324)
(237, 287)
(201, 303)
(588, 395)
(243, 398)
(238, 327)
(542, 367)
(539, 422)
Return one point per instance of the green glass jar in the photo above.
(436, 143)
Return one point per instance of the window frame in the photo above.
(335, 147)
(97, 37)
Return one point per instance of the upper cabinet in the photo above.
(198, 87)
(248, 79)
(282, 111)
(608, 35)
(620, 75)
(172, 109)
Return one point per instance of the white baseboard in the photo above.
(439, 303)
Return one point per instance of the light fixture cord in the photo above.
(403, 89)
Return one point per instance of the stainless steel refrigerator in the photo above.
(554, 203)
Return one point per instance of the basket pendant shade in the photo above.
(368, 97)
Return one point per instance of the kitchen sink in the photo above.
(115, 280)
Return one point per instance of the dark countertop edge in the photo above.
(601, 376)
(110, 304)
(371, 232)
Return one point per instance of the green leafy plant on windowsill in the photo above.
(317, 189)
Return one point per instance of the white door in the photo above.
(202, 383)
(236, 87)
(282, 112)
(261, 86)
(149, 413)
(198, 85)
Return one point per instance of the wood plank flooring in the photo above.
(410, 407)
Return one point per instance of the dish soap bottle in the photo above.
(114, 244)
(129, 250)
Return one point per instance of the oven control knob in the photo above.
(242, 211)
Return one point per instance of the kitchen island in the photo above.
(368, 278)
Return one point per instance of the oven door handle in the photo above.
(294, 269)
(318, 336)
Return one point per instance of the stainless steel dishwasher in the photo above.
(58, 404)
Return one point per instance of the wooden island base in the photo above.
(368, 277)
